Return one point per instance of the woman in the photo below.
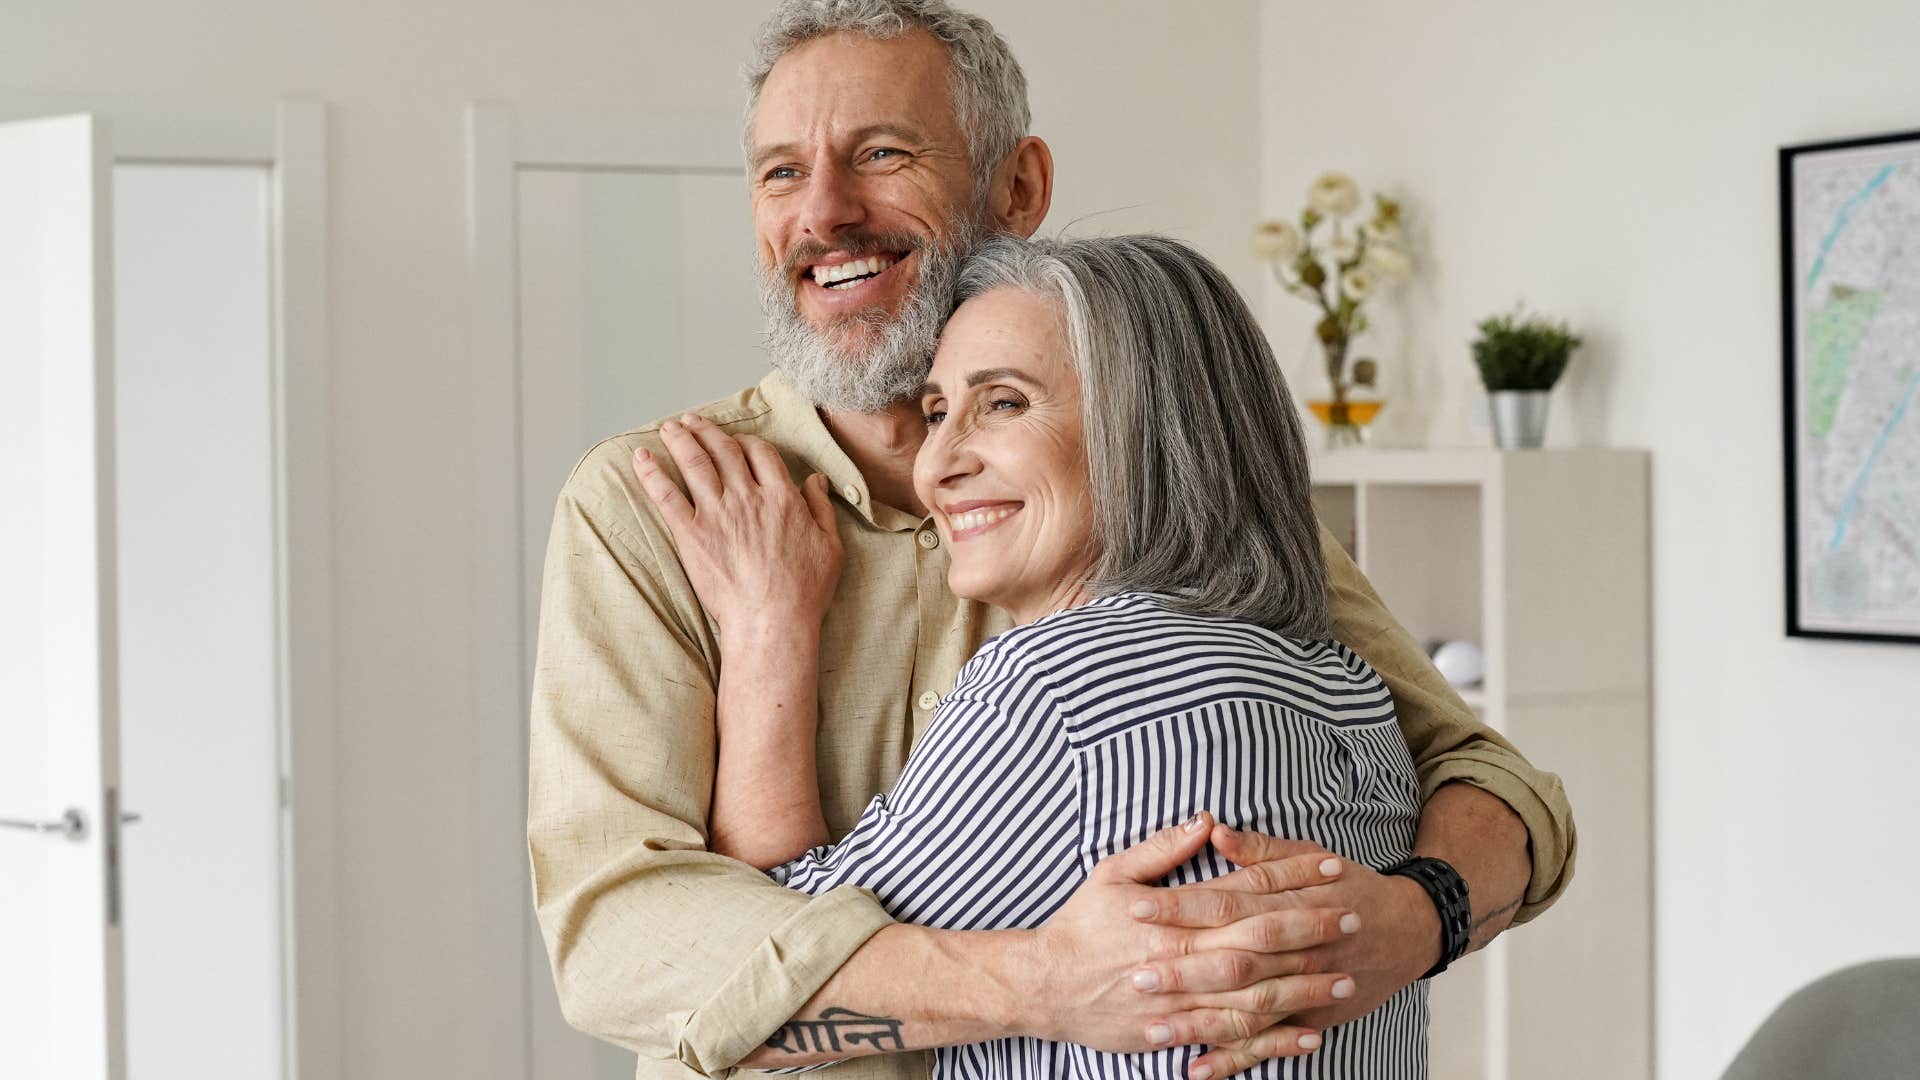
(1113, 459)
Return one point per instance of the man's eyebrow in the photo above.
(892, 131)
(763, 154)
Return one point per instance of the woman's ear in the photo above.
(1023, 188)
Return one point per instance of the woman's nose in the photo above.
(945, 458)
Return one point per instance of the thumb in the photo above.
(1157, 856)
(1247, 848)
(820, 503)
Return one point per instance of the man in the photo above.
(883, 136)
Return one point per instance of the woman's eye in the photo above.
(933, 418)
(1000, 404)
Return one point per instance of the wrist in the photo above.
(784, 631)
(1422, 924)
(1448, 898)
(1013, 989)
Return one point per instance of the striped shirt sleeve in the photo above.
(981, 828)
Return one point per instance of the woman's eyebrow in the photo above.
(990, 374)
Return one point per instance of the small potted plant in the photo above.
(1520, 357)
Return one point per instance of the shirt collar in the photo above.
(794, 424)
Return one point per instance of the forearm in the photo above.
(911, 988)
(1486, 843)
(766, 792)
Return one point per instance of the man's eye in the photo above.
(887, 151)
(783, 172)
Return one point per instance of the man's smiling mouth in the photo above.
(847, 275)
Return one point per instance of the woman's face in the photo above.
(1004, 467)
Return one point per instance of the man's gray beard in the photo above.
(889, 370)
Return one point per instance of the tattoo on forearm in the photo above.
(835, 1027)
(1490, 916)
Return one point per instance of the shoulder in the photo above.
(1133, 656)
(603, 477)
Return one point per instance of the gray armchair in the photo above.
(1859, 1023)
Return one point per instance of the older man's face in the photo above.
(858, 166)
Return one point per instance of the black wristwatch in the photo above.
(1449, 893)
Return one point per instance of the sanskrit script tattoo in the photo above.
(836, 1031)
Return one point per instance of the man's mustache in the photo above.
(854, 244)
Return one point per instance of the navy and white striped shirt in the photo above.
(1081, 734)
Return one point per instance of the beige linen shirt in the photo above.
(691, 959)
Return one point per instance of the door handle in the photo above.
(72, 825)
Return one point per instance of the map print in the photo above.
(1856, 370)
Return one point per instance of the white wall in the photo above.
(1181, 150)
(1614, 163)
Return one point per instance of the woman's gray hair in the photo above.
(989, 89)
(1194, 448)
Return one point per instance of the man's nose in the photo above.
(832, 203)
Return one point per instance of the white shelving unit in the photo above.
(1540, 556)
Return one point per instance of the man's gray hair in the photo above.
(989, 89)
(1194, 448)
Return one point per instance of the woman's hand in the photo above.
(761, 553)
(1199, 965)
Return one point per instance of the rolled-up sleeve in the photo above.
(1449, 743)
(656, 944)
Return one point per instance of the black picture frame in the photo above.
(1798, 622)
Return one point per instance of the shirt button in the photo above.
(929, 700)
(852, 494)
(929, 540)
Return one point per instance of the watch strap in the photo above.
(1448, 891)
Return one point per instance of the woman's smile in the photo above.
(966, 520)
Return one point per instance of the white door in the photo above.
(60, 950)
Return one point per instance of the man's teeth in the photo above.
(841, 272)
(974, 519)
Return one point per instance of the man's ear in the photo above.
(1023, 188)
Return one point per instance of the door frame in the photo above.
(289, 139)
(502, 141)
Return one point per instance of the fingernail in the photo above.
(1343, 988)
(670, 425)
(688, 418)
(1159, 1034)
(1192, 824)
(1330, 867)
(1349, 923)
(1146, 980)
(1310, 1041)
(1201, 1072)
(1144, 909)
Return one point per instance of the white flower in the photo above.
(1390, 262)
(1344, 249)
(1334, 194)
(1383, 234)
(1276, 241)
(1357, 284)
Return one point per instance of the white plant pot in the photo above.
(1520, 418)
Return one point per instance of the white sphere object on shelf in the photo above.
(1460, 663)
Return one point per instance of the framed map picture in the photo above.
(1850, 304)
